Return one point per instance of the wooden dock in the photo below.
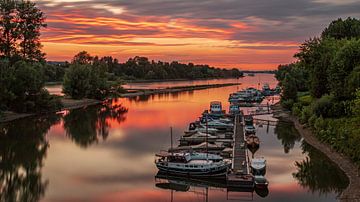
(240, 176)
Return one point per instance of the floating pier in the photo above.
(240, 175)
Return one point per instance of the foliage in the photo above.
(344, 63)
(355, 108)
(289, 88)
(21, 87)
(20, 24)
(86, 77)
(343, 29)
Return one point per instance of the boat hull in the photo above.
(220, 172)
(258, 171)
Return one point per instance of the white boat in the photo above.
(216, 124)
(216, 107)
(258, 166)
(187, 164)
(197, 138)
(193, 128)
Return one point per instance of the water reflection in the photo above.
(318, 174)
(151, 97)
(23, 147)
(288, 135)
(86, 126)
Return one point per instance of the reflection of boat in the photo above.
(188, 181)
(184, 164)
(252, 141)
(258, 166)
(262, 192)
(260, 182)
(173, 186)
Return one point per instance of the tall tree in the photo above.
(8, 28)
(30, 20)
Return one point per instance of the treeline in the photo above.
(322, 87)
(24, 70)
(141, 68)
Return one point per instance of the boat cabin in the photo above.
(215, 107)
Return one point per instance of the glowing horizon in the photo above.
(243, 35)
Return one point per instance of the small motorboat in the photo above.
(193, 128)
(197, 138)
(258, 166)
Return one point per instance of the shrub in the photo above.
(287, 104)
(306, 113)
(305, 100)
(296, 109)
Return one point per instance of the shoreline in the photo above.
(352, 191)
(69, 104)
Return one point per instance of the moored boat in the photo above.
(186, 164)
(258, 166)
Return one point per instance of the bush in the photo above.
(312, 120)
(76, 81)
(287, 104)
(296, 109)
(305, 100)
(306, 113)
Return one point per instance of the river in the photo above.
(106, 153)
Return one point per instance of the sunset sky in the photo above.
(247, 34)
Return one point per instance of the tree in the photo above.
(86, 77)
(344, 62)
(82, 58)
(76, 81)
(20, 25)
(31, 19)
(289, 88)
(8, 28)
(343, 29)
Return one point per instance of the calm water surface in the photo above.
(106, 153)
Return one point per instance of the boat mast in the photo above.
(171, 139)
(206, 137)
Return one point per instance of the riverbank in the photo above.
(69, 104)
(352, 192)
